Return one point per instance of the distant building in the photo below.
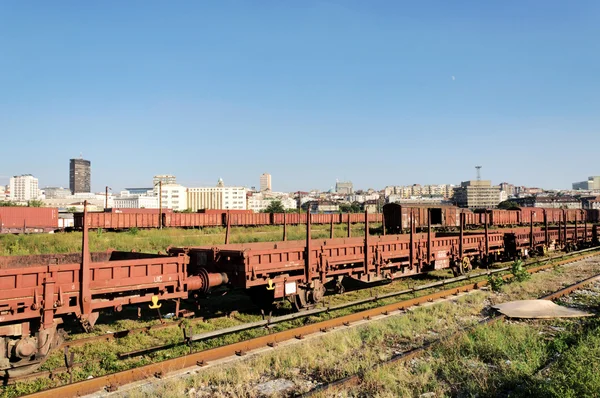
(417, 190)
(344, 188)
(258, 202)
(265, 182)
(554, 202)
(592, 183)
(24, 188)
(592, 202)
(139, 191)
(219, 197)
(477, 194)
(135, 202)
(80, 176)
(321, 206)
(174, 196)
(508, 188)
(56, 192)
(3, 191)
(164, 178)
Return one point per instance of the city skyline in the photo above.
(148, 179)
(379, 94)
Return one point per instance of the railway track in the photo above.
(112, 381)
(415, 352)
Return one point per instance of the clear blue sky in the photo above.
(307, 91)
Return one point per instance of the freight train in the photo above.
(395, 216)
(39, 293)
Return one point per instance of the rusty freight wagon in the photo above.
(399, 218)
(20, 219)
(38, 293)
(117, 221)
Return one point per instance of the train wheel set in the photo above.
(39, 293)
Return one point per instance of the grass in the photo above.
(384, 340)
(153, 241)
(497, 360)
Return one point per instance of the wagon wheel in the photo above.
(300, 300)
(465, 265)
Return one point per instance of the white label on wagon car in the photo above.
(290, 288)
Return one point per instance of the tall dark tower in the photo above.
(80, 175)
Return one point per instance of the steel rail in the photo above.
(158, 369)
(355, 379)
(268, 322)
(248, 326)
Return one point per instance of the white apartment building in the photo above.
(259, 202)
(174, 196)
(219, 197)
(23, 188)
(2, 192)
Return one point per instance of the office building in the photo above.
(592, 184)
(80, 176)
(479, 194)
(265, 182)
(219, 197)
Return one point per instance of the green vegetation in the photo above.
(500, 359)
(519, 272)
(274, 207)
(508, 205)
(154, 240)
(496, 282)
(353, 207)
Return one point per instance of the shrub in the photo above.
(495, 282)
(520, 274)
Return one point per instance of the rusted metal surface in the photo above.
(201, 358)
(20, 219)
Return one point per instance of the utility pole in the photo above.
(160, 204)
(106, 200)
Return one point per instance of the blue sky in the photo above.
(309, 91)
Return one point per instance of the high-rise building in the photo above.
(80, 176)
(265, 182)
(24, 188)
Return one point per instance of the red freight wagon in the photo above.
(534, 214)
(28, 219)
(193, 220)
(117, 220)
(473, 219)
(290, 218)
(250, 219)
(504, 217)
(573, 215)
(554, 216)
(398, 217)
(593, 215)
(130, 210)
(221, 211)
